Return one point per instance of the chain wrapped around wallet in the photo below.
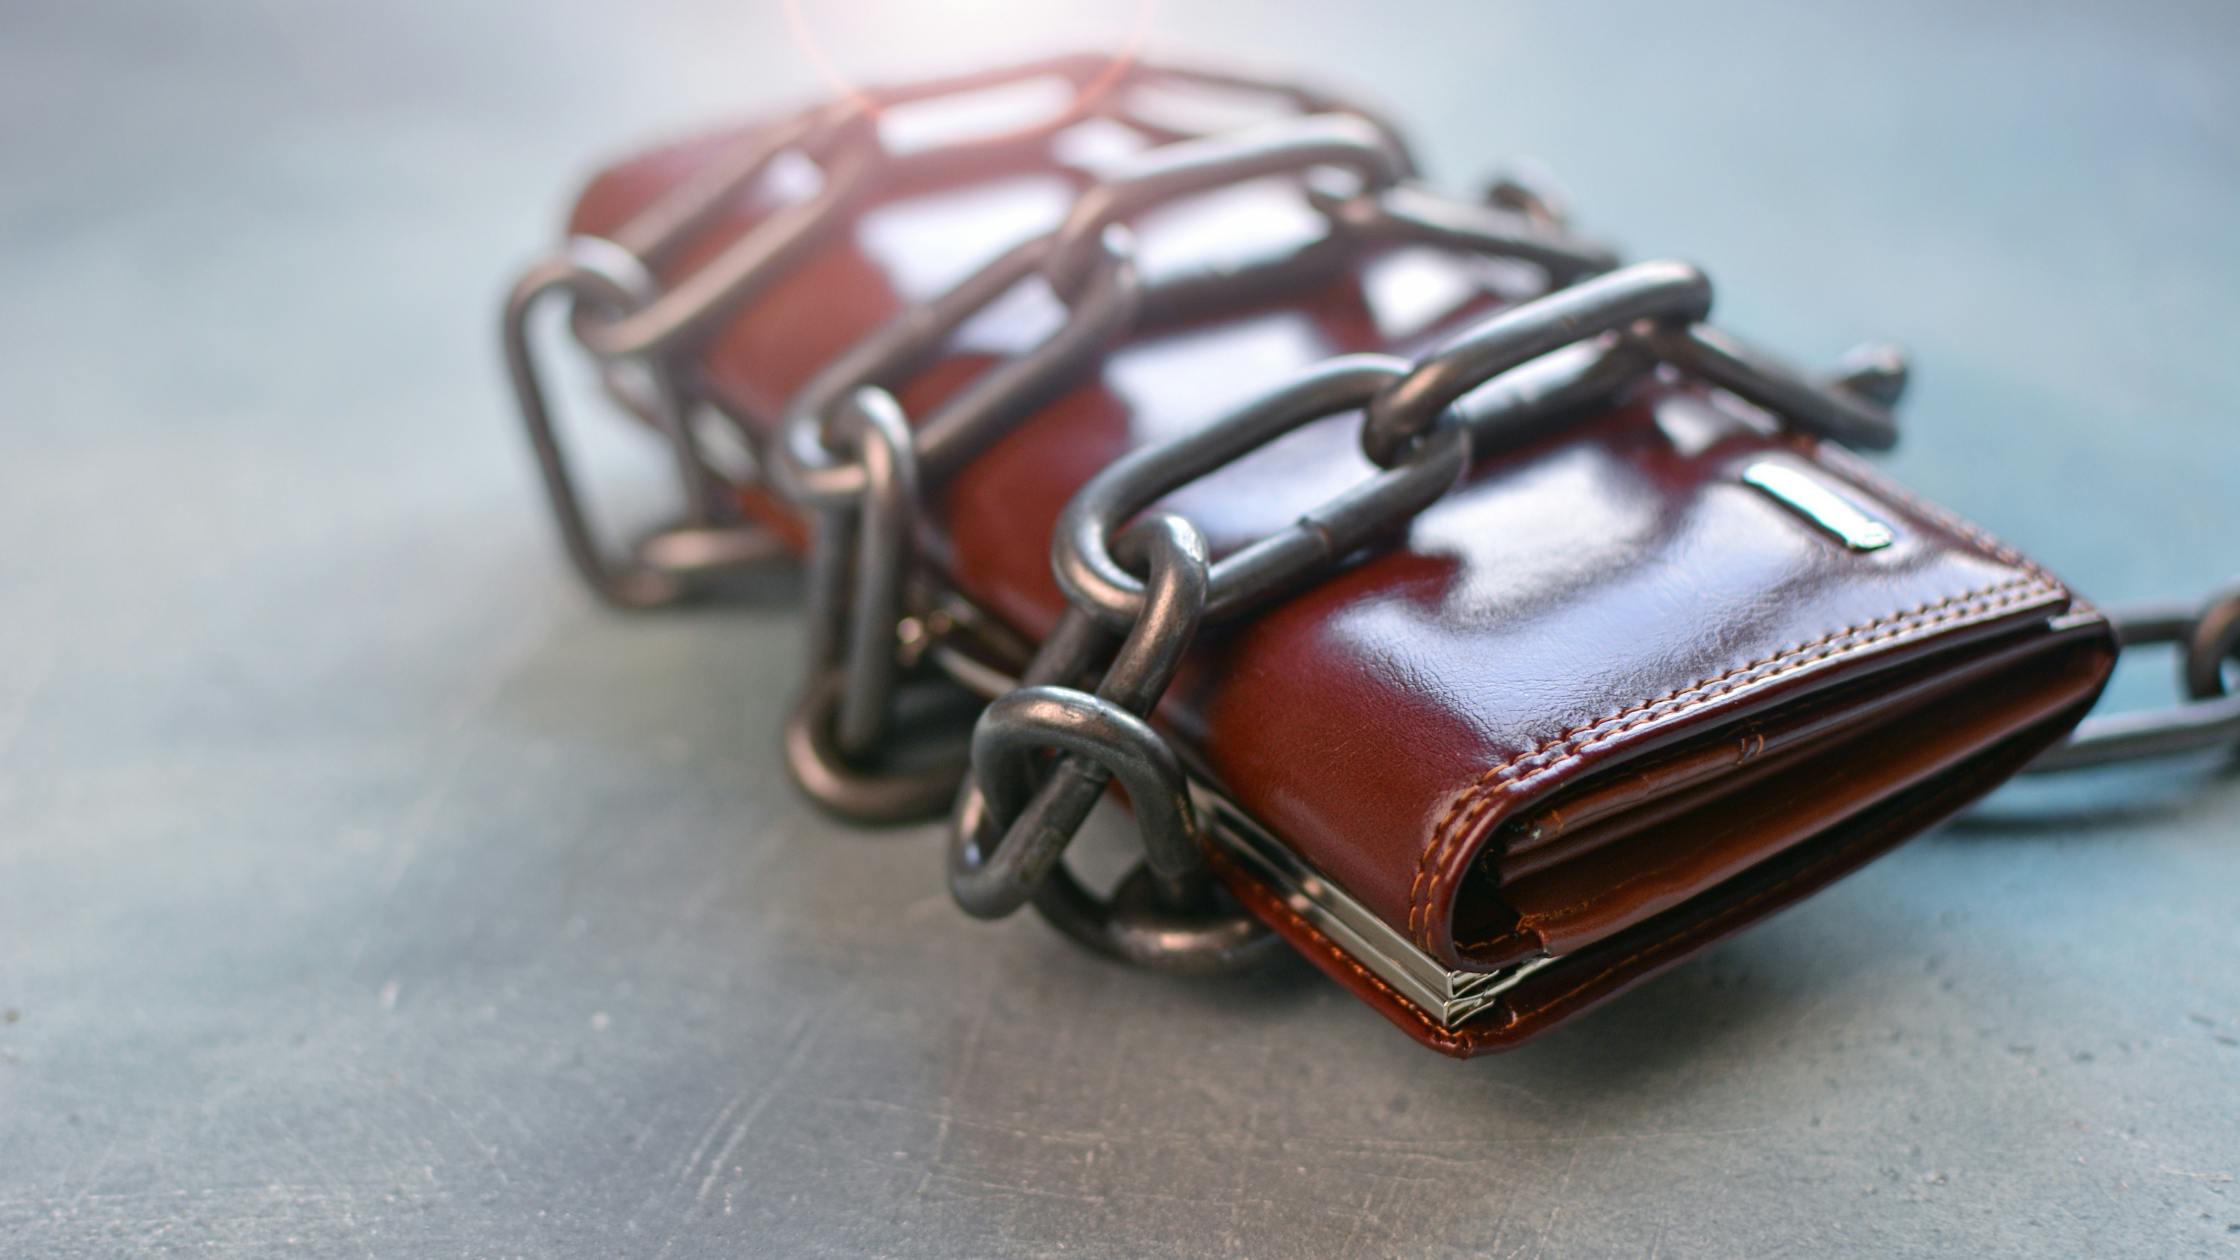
(1450, 601)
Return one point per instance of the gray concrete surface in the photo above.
(366, 891)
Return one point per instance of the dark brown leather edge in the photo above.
(1759, 685)
(1602, 971)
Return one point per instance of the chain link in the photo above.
(1103, 733)
(1015, 818)
(598, 276)
(1095, 580)
(2209, 717)
(1174, 171)
(1659, 306)
(864, 509)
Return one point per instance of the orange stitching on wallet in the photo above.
(1914, 622)
(1472, 803)
(1480, 795)
(1485, 794)
(1469, 795)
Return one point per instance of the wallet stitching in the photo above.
(1470, 806)
(1955, 614)
(1983, 602)
(1481, 793)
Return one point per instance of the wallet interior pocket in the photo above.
(1645, 836)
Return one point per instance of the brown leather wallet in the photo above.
(1630, 687)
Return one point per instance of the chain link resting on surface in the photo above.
(2208, 718)
(848, 459)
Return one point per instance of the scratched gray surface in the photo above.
(366, 891)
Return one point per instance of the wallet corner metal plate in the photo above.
(1451, 997)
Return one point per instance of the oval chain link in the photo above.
(1660, 306)
(1174, 171)
(2209, 716)
(594, 275)
(1016, 816)
(865, 517)
(1095, 580)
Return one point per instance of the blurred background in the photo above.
(367, 890)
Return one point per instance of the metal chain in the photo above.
(864, 520)
(1016, 816)
(846, 456)
(2208, 718)
(1498, 381)
(620, 314)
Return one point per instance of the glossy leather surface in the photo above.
(1603, 616)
